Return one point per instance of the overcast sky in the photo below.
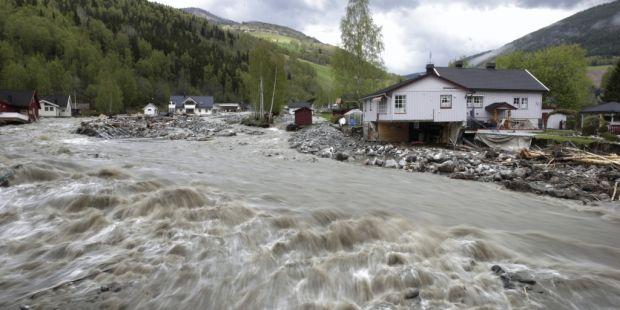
(412, 29)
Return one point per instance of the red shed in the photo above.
(303, 116)
(19, 106)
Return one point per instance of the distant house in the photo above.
(303, 116)
(436, 105)
(56, 106)
(19, 106)
(294, 106)
(191, 105)
(151, 110)
(227, 107)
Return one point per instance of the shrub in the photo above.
(610, 137)
(602, 126)
(590, 125)
(254, 121)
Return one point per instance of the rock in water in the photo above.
(390, 163)
(342, 156)
(447, 167)
(411, 293)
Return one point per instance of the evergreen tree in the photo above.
(612, 86)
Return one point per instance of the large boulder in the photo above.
(390, 163)
(446, 167)
(342, 156)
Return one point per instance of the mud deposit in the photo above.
(245, 222)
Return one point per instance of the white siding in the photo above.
(533, 113)
(423, 103)
(553, 122)
(48, 110)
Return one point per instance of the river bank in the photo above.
(587, 183)
(190, 128)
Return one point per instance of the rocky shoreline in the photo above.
(174, 128)
(587, 183)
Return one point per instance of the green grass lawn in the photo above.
(561, 136)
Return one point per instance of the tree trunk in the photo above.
(262, 106)
(273, 94)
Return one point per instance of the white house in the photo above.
(227, 107)
(435, 105)
(55, 106)
(196, 105)
(151, 110)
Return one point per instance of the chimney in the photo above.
(430, 69)
(491, 65)
(459, 64)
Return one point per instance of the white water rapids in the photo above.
(246, 223)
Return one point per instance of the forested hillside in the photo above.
(597, 30)
(117, 53)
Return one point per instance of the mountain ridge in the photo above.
(251, 26)
(596, 29)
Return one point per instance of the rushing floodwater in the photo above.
(246, 223)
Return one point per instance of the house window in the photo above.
(446, 102)
(400, 104)
(516, 102)
(382, 107)
(524, 103)
(475, 101)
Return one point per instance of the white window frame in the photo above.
(471, 101)
(442, 103)
(516, 102)
(400, 104)
(382, 107)
(524, 103)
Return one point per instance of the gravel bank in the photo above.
(173, 128)
(587, 183)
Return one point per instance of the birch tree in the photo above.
(359, 65)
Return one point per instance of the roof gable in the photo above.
(58, 100)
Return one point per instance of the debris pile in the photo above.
(573, 175)
(173, 128)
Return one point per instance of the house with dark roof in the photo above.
(191, 105)
(19, 106)
(435, 105)
(56, 106)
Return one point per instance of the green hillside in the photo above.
(118, 54)
(597, 30)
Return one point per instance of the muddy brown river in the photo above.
(245, 222)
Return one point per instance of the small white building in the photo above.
(435, 105)
(191, 105)
(56, 106)
(151, 110)
(227, 107)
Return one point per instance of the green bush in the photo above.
(590, 125)
(254, 121)
(602, 126)
(610, 137)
